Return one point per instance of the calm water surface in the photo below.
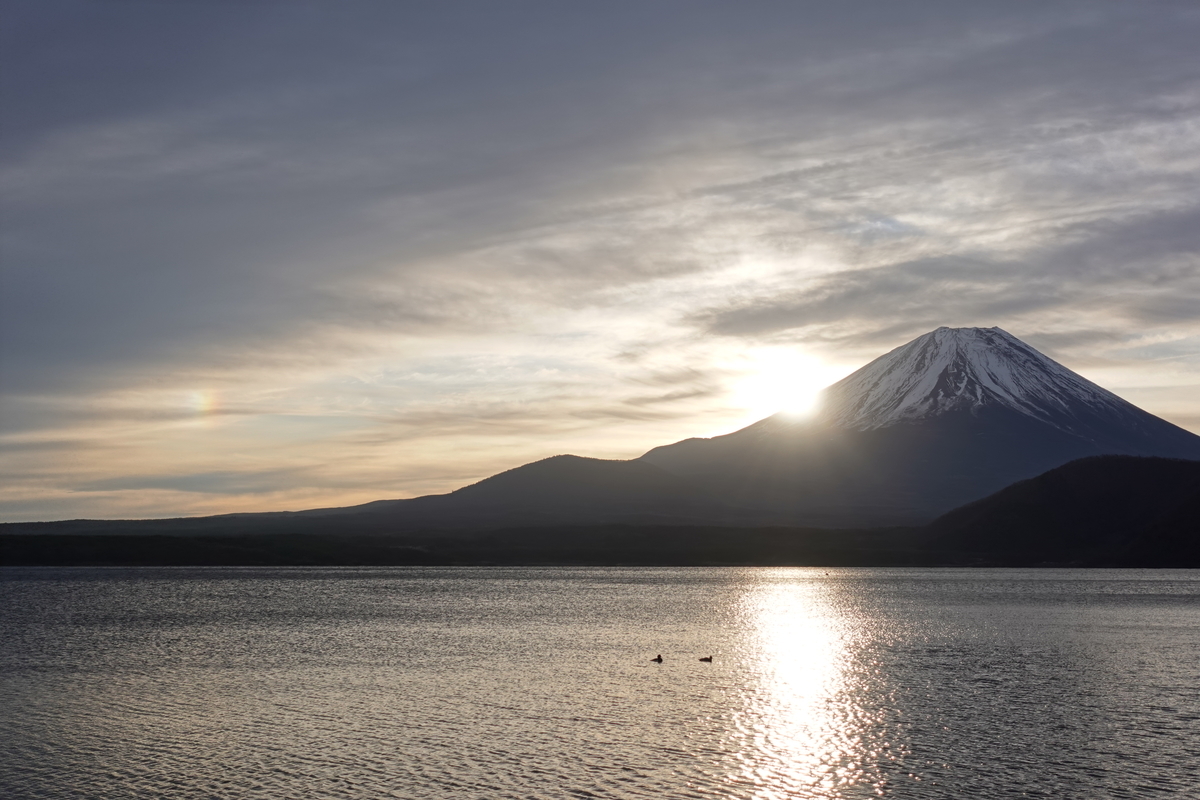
(537, 683)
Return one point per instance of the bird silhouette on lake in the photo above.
(657, 659)
(706, 658)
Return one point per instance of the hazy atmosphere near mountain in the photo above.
(279, 256)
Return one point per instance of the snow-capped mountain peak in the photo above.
(964, 369)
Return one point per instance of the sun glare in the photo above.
(780, 380)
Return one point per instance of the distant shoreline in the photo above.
(573, 546)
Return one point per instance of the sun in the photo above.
(780, 380)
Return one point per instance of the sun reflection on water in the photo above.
(805, 730)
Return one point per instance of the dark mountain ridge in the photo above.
(1104, 509)
(1101, 511)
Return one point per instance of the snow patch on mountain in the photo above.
(965, 369)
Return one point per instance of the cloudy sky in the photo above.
(271, 255)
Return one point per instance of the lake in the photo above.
(539, 683)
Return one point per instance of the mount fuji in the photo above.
(951, 417)
(972, 369)
(948, 418)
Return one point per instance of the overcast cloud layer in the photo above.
(274, 255)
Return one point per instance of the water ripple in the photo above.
(439, 683)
